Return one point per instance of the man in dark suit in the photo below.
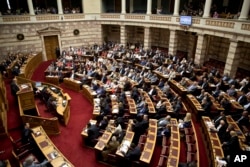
(103, 123)
(26, 134)
(233, 145)
(243, 120)
(242, 100)
(134, 153)
(205, 84)
(13, 87)
(93, 133)
(217, 119)
(221, 129)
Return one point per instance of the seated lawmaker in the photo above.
(221, 130)
(133, 154)
(164, 121)
(233, 145)
(243, 120)
(31, 161)
(186, 122)
(110, 148)
(193, 87)
(166, 131)
(93, 133)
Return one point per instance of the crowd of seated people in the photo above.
(111, 76)
(13, 61)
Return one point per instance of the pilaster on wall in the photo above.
(233, 58)
(147, 39)
(200, 53)
(123, 38)
(173, 42)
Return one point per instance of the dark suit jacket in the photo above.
(134, 154)
(232, 146)
(244, 121)
(242, 100)
(217, 120)
(14, 88)
(93, 132)
(222, 133)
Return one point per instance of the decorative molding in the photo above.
(49, 31)
(160, 18)
(219, 23)
(110, 16)
(47, 17)
(137, 17)
(16, 18)
(74, 16)
(245, 27)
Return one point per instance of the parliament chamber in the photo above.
(161, 83)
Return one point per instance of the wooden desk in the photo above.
(212, 141)
(32, 62)
(174, 150)
(126, 143)
(63, 103)
(178, 88)
(72, 84)
(49, 150)
(114, 104)
(97, 108)
(235, 105)
(237, 129)
(149, 146)
(195, 105)
(151, 108)
(103, 140)
(52, 79)
(88, 93)
(169, 106)
(131, 103)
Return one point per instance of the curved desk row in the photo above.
(174, 150)
(49, 150)
(149, 146)
(213, 142)
(32, 62)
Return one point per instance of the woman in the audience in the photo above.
(186, 122)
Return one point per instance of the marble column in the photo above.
(59, 7)
(123, 6)
(172, 49)
(31, 7)
(131, 6)
(147, 38)
(207, 8)
(123, 38)
(149, 6)
(158, 4)
(245, 10)
(233, 58)
(201, 46)
(82, 6)
(176, 7)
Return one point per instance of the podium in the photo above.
(26, 96)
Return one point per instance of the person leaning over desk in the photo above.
(30, 161)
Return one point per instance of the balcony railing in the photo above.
(229, 25)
